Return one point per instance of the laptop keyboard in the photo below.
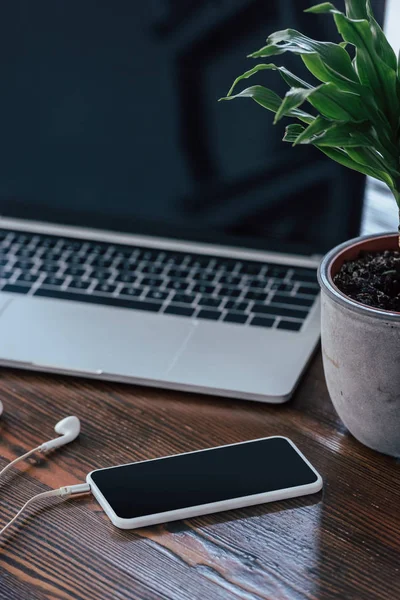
(191, 285)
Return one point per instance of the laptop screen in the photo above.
(109, 118)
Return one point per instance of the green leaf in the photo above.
(324, 7)
(269, 100)
(325, 73)
(292, 132)
(318, 126)
(343, 136)
(336, 104)
(328, 99)
(356, 9)
(291, 80)
(362, 9)
(293, 99)
(290, 40)
(382, 46)
(262, 95)
(371, 69)
(370, 157)
(344, 159)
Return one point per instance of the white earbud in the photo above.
(68, 428)
(1, 408)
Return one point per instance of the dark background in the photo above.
(109, 118)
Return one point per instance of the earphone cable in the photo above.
(63, 492)
(17, 460)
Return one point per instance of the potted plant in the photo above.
(353, 117)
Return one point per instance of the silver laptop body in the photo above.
(160, 350)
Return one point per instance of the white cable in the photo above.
(23, 457)
(63, 492)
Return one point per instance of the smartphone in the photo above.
(203, 482)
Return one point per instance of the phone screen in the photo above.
(196, 478)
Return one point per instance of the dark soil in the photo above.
(373, 279)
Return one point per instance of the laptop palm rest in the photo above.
(90, 339)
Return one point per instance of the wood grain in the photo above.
(341, 544)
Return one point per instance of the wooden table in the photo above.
(342, 544)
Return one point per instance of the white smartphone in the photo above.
(203, 482)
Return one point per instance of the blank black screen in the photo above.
(109, 118)
(197, 478)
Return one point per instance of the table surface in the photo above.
(343, 543)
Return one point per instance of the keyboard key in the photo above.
(105, 288)
(229, 292)
(124, 278)
(73, 246)
(156, 295)
(49, 267)
(292, 300)
(103, 263)
(252, 268)
(25, 253)
(75, 271)
(279, 311)
(101, 300)
(24, 265)
(184, 298)
(212, 315)
(178, 273)
(199, 262)
(232, 317)
(262, 322)
(27, 278)
(131, 291)
(175, 259)
(124, 254)
(152, 270)
(204, 289)
(148, 254)
(16, 289)
(183, 311)
(6, 274)
(203, 277)
(74, 259)
(308, 290)
(154, 282)
(102, 275)
(177, 285)
(290, 325)
(50, 256)
(257, 284)
(282, 287)
(306, 275)
(79, 284)
(277, 272)
(258, 296)
(236, 306)
(211, 302)
(98, 249)
(228, 266)
(230, 280)
(23, 238)
(54, 281)
(50, 242)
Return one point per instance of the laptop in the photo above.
(148, 233)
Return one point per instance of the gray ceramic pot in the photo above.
(361, 353)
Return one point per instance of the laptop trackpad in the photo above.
(90, 338)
